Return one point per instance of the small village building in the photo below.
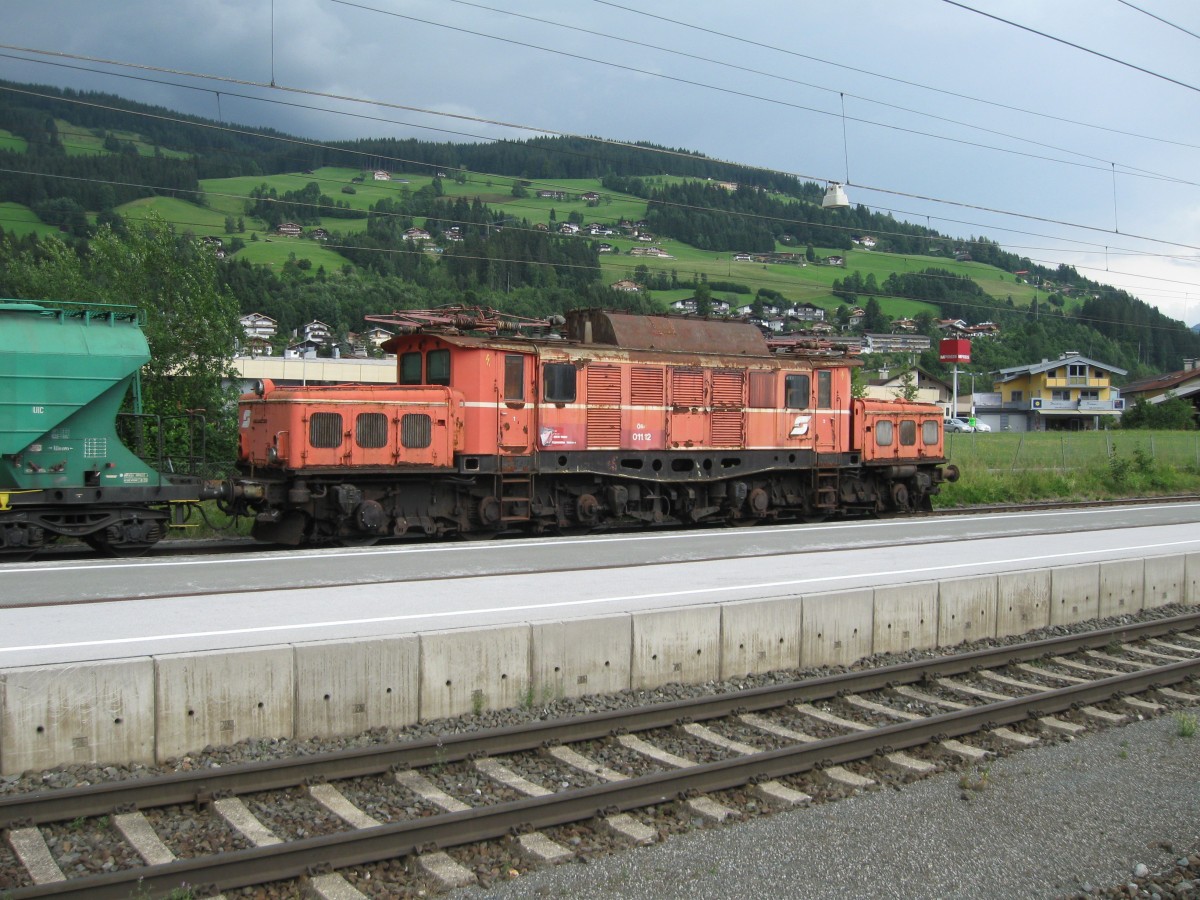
(1072, 393)
(259, 330)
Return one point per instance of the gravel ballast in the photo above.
(938, 838)
(1056, 821)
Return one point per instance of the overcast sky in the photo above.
(981, 126)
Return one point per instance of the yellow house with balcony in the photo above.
(1072, 393)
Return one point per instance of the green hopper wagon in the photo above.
(64, 469)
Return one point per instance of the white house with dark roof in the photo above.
(317, 332)
(259, 330)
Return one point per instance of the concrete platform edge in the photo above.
(154, 708)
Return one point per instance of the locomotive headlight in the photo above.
(272, 453)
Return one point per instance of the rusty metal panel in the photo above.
(669, 333)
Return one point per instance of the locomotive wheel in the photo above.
(900, 496)
(587, 509)
(758, 501)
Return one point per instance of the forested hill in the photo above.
(496, 220)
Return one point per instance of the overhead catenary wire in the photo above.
(892, 78)
(603, 141)
(1146, 12)
(554, 185)
(627, 268)
(1099, 164)
(796, 287)
(1065, 42)
(881, 208)
(661, 75)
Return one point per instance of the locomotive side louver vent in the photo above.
(727, 427)
(728, 390)
(325, 430)
(371, 430)
(687, 387)
(603, 406)
(646, 386)
(416, 431)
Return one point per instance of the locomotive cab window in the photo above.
(883, 433)
(410, 367)
(929, 432)
(371, 430)
(824, 389)
(908, 433)
(558, 383)
(762, 390)
(437, 367)
(325, 430)
(514, 377)
(798, 392)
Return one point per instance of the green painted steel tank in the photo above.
(63, 376)
(65, 370)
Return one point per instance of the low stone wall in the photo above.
(148, 709)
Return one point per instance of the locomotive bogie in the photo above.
(375, 506)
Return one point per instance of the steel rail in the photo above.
(297, 858)
(169, 548)
(200, 787)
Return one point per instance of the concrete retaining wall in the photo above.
(153, 708)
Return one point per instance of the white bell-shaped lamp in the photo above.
(835, 197)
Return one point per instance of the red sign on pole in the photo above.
(955, 350)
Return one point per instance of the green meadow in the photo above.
(79, 141)
(1004, 467)
(183, 215)
(22, 220)
(11, 142)
(228, 197)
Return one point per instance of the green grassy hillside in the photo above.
(21, 219)
(228, 197)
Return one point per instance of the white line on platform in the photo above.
(595, 601)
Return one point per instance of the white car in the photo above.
(982, 426)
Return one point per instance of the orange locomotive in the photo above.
(631, 420)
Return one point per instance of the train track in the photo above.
(184, 547)
(418, 800)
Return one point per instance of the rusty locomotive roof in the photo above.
(640, 332)
(632, 332)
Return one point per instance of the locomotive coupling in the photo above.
(228, 490)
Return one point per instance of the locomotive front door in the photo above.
(514, 411)
(827, 420)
